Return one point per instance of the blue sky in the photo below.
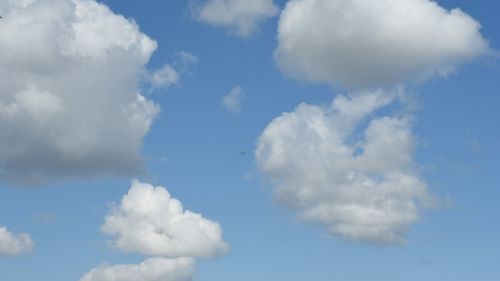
(193, 147)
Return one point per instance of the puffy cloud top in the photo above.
(69, 100)
(14, 244)
(155, 269)
(360, 183)
(365, 43)
(150, 222)
(241, 16)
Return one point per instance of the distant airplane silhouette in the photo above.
(244, 152)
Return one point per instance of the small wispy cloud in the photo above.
(232, 101)
(164, 77)
(240, 17)
(184, 60)
(170, 74)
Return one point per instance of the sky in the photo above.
(223, 140)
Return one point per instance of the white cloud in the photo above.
(185, 60)
(155, 269)
(169, 75)
(365, 43)
(14, 244)
(166, 76)
(69, 101)
(242, 17)
(232, 101)
(358, 181)
(150, 222)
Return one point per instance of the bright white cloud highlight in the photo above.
(69, 99)
(14, 244)
(358, 181)
(232, 101)
(241, 17)
(150, 222)
(155, 269)
(365, 43)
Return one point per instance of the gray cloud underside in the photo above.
(69, 99)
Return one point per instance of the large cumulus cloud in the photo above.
(365, 43)
(150, 222)
(338, 167)
(345, 165)
(69, 97)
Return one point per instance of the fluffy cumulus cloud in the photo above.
(242, 17)
(349, 172)
(232, 101)
(150, 222)
(69, 98)
(14, 244)
(364, 43)
(154, 269)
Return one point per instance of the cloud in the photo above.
(184, 60)
(363, 43)
(164, 77)
(169, 75)
(150, 222)
(232, 101)
(69, 99)
(353, 176)
(155, 269)
(241, 17)
(14, 244)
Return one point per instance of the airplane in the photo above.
(244, 152)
